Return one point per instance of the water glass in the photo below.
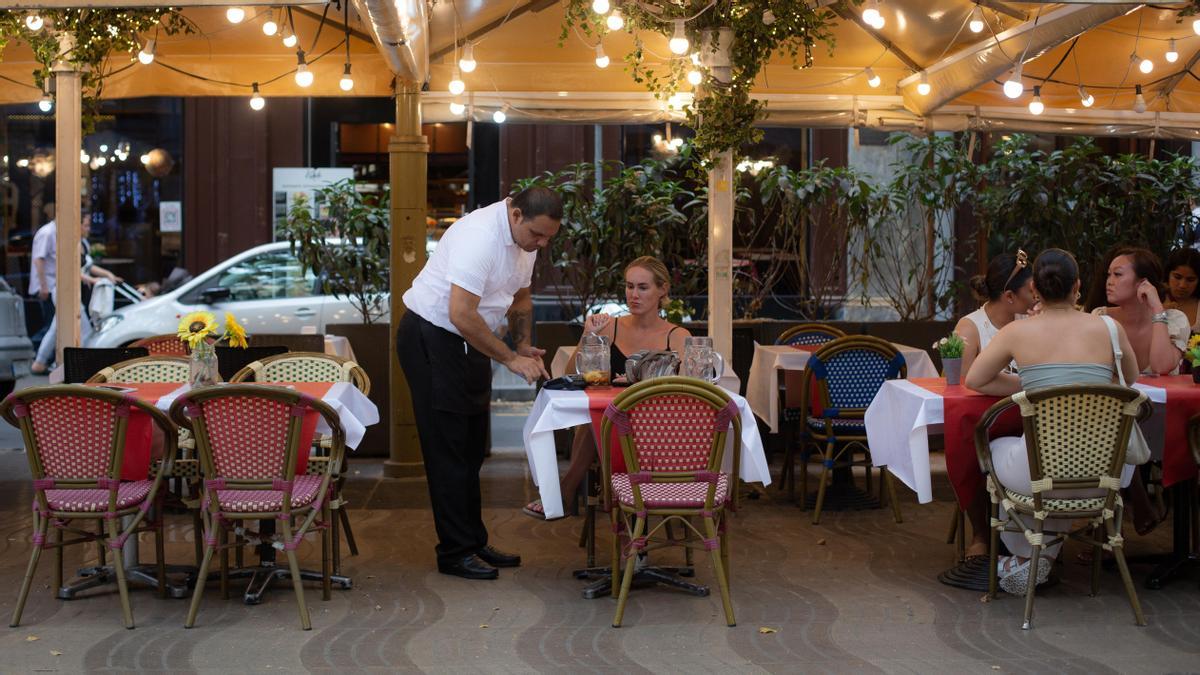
(594, 361)
(701, 361)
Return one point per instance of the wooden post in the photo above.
(715, 55)
(408, 153)
(68, 137)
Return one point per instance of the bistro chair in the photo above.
(672, 432)
(295, 342)
(167, 344)
(1076, 437)
(230, 360)
(249, 438)
(791, 414)
(839, 382)
(75, 438)
(316, 367)
(81, 363)
(153, 368)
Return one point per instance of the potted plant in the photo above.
(951, 349)
(1193, 356)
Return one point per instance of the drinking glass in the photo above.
(594, 361)
(700, 360)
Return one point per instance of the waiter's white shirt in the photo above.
(477, 254)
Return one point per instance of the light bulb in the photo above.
(1172, 55)
(46, 104)
(289, 38)
(1013, 88)
(269, 26)
(1036, 106)
(1196, 26)
(457, 108)
(235, 14)
(1145, 65)
(873, 80)
(467, 62)
(146, 56)
(103, 147)
(600, 6)
(256, 103)
(101, 161)
(615, 21)
(457, 86)
(304, 76)
(977, 25)
(871, 16)
(498, 117)
(601, 57)
(923, 87)
(1139, 101)
(1086, 99)
(34, 22)
(679, 42)
(145, 159)
(347, 82)
(84, 158)
(695, 77)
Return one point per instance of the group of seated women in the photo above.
(1058, 344)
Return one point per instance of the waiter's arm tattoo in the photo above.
(520, 326)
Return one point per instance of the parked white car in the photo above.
(266, 288)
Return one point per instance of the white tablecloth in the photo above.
(338, 345)
(762, 389)
(355, 411)
(564, 409)
(558, 367)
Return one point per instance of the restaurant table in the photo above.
(762, 386)
(558, 367)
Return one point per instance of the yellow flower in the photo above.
(235, 333)
(195, 327)
(1194, 342)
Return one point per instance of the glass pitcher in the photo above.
(594, 360)
(700, 360)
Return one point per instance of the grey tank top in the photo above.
(1052, 374)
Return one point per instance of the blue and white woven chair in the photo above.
(792, 416)
(809, 334)
(844, 377)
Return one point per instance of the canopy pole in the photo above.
(715, 56)
(68, 138)
(408, 153)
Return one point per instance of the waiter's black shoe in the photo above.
(469, 567)
(498, 558)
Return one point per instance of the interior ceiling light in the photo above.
(1139, 101)
(1036, 106)
(457, 108)
(235, 14)
(923, 87)
(347, 82)
(871, 15)
(615, 21)
(500, 115)
(1144, 65)
(601, 57)
(600, 6)
(457, 86)
(256, 103)
(289, 38)
(304, 76)
(1172, 54)
(269, 26)
(977, 25)
(146, 56)
(1086, 99)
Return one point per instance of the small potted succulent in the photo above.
(951, 349)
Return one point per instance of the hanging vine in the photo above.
(94, 33)
(723, 114)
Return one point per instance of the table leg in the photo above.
(135, 572)
(266, 572)
(1183, 556)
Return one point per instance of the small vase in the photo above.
(952, 369)
(203, 366)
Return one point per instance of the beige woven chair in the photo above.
(154, 368)
(1076, 437)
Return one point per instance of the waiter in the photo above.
(478, 275)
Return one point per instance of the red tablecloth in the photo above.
(1183, 401)
(308, 427)
(598, 400)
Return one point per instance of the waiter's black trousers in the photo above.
(451, 385)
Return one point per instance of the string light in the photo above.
(1172, 54)
(235, 14)
(256, 103)
(269, 26)
(615, 21)
(1086, 99)
(977, 25)
(304, 76)
(457, 108)
(600, 6)
(84, 158)
(146, 56)
(46, 104)
(601, 57)
(289, 38)
(873, 80)
(499, 116)
(695, 77)
(923, 87)
(1139, 101)
(347, 82)
(144, 159)
(467, 62)
(1013, 88)
(34, 22)
(457, 86)
(1144, 65)
(1036, 106)
(1196, 26)
(871, 15)
(679, 42)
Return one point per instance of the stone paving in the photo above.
(856, 594)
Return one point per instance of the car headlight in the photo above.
(109, 322)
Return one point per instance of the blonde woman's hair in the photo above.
(656, 268)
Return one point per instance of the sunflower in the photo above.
(235, 333)
(194, 327)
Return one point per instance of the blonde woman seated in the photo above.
(647, 284)
(1045, 359)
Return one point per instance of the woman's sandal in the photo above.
(1014, 575)
(534, 510)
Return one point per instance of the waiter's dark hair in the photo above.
(538, 201)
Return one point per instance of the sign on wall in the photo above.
(289, 184)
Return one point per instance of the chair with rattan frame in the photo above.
(75, 441)
(167, 344)
(672, 432)
(793, 418)
(153, 368)
(317, 367)
(845, 375)
(249, 437)
(1076, 438)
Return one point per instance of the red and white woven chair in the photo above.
(167, 344)
(75, 438)
(249, 438)
(672, 432)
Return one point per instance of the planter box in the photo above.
(373, 345)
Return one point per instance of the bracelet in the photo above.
(1161, 317)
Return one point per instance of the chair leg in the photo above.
(223, 538)
(160, 565)
(825, 471)
(615, 549)
(326, 552)
(787, 473)
(294, 565)
(344, 515)
(891, 490)
(205, 561)
(639, 524)
(803, 468)
(58, 561)
(39, 529)
(993, 556)
(1030, 587)
(119, 566)
(688, 553)
(1097, 553)
(722, 578)
(1119, 553)
(335, 526)
(197, 533)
